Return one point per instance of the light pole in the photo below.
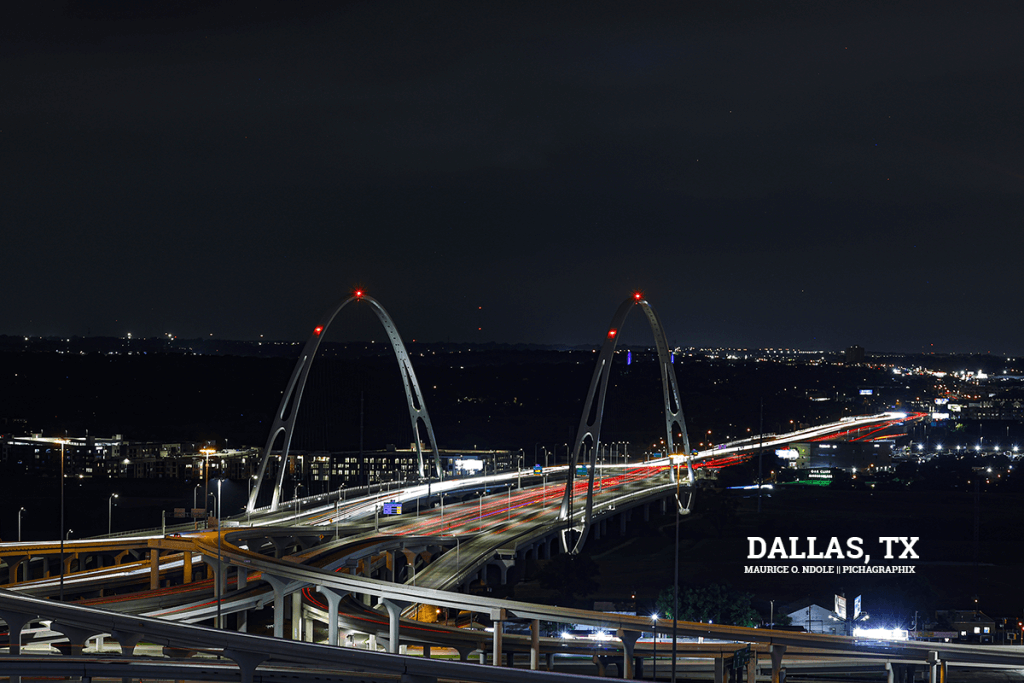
(654, 658)
(510, 502)
(194, 492)
(68, 534)
(19, 523)
(221, 575)
(110, 512)
(211, 493)
(62, 520)
(298, 502)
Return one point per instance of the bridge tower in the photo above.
(288, 410)
(575, 534)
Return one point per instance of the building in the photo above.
(816, 619)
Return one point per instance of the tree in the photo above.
(713, 603)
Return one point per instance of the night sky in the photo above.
(770, 174)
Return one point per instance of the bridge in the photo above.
(188, 595)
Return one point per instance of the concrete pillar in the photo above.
(394, 615)
(241, 579)
(628, 639)
(483, 656)
(889, 674)
(187, 559)
(777, 671)
(719, 669)
(535, 644)
(13, 564)
(333, 600)
(499, 626)
(596, 530)
(279, 586)
(242, 621)
(15, 623)
(154, 568)
(307, 628)
(426, 651)
(752, 667)
(127, 641)
(647, 512)
(550, 661)
(296, 598)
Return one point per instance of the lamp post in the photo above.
(19, 523)
(68, 536)
(298, 502)
(110, 512)
(194, 492)
(62, 520)
(654, 657)
(221, 575)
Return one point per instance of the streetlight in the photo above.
(19, 523)
(62, 520)
(110, 512)
(654, 657)
(194, 492)
(68, 536)
(221, 575)
(298, 502)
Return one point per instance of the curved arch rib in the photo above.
(288, 410)
(593, 416)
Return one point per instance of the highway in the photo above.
(363, 572)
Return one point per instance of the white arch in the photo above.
(593, 416)
(288, 410)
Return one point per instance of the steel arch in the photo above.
(288, 410)
(592, 428)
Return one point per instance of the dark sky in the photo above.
(806, 174)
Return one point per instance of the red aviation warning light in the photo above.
(359, 294)
(318, 329)
(637, 296)
(611, 334)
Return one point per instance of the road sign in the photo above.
(392, 508)
(538, 469)
(581, 469)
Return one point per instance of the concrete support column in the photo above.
(647, 512)
(777, 671)
(247, 663)
(426, 651)
(752, 667)
(333, 600)
(15, 623)
(550, 661)
(241, 579)
(628, 639)
(889, 674)
(279, 586)
(127, 641)
(394, 614)
(499, 628)
(187, 560)
(534, 644)
(719, 669)
(307, 628)
(154, 568)
(13, 564)
(296, 599)
(76, 637)
(242, 621)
